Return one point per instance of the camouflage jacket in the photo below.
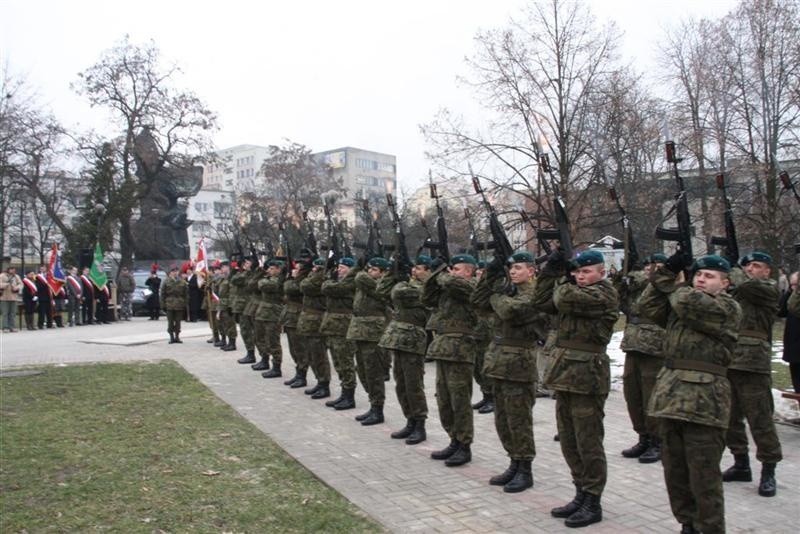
(313, 304)
(254, 298)
(338, 304)
(292, 301)
(759, 300)
(406, 330)
(793, 304)
(369, 311)
(511, 354)
(585, 317)
(455, 339)
(641, 334)
(223, 292)
(701, 332)
(238, 295)
(271, 304)
(174, 293)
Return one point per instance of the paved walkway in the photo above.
(399, 485)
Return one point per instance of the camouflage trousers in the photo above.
(638, 380)
(372, 368)
(296, 349)
(125, 306)
(513, 417)
(690, 455)
(580, 430)
(751, 399)
(246, 325)
(227, 324)
(314, 347)
(409, 379)
(484, 383)
(454, 399)
(174, 321)
(343, 355)
(268, 341)
(544, 358)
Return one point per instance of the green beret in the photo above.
(463, 258)
(275, 263)
(481, 264)
(423, 259)
(347, 261)
(656, 257)
(712, 262)
(380, 263)
(319, 262)
(588, 257)
(756, 255)
(521, 257)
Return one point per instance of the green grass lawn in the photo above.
(147, 448)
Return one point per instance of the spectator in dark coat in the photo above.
(153, 305)
(791, 334)
(195, 299)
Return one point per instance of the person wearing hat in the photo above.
(268, 313)
(510, 361)
(587, 307)
(211, 301)
(750, 374)
(308, 328)
(292, 305)
(339, 290)
(247, 319)
(238, 302)
(365, 330)
(486, 319)
(125, 287)
(174, 292)
(449, 290)
(641, 342)
(225, 320)
(692, 394)
(152, 303)
(406, 341)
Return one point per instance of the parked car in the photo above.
(140, 294)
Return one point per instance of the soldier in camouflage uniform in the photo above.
(587, 306)
(268, 313)
(239, 300)
(406, 341)
(211, 305)
(453, 348)
(248, 316)
(510, 362)
(485, 330)
(365, 330)
(750, 374)
(339, 290)
(692, 395)
(293, 304)
(174, 292)
(308, 328)
(643, 360)
(226, 318)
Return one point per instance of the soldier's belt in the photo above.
(580, 345)
(695, 365)
(754, 333)
(513, 342)
(640, 320)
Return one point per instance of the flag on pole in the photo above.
(200, 264)
(55, 276)
(96, 273)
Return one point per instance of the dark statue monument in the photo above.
(160, 233)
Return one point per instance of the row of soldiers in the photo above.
(697, 342)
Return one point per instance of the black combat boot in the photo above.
(480, 403)
(688, 529)
(348, 401)
(275, 372)
(589, 512)
(404, 432)
(250, 357)
(462, 456)
(365, 415)
(314, 389)
(323, 392)
(447, 452)
(571, 507)
(212, 339)
(59, 321)
(488, 406)
(221, 342)
(418, 435)
(295, 377)
(638, 449)
(262, 365)
(178, 337)
(505, 477)
(653, 452)
(331, 403)
(739, 471)
(376, 417)
(767, 487)
(300, 381)
(171, 337)
(523, 478)
(231, 346)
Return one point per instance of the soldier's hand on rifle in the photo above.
(511, 290)
(678, 262)
(495, 267)
(557, 263)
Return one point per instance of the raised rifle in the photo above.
(500, 243)
(334, 245)
(441, 246)
(402, 261)
(629, 244)
(561, 232)
(370, 247)
(475, 244)
(788, 185)
(310, 239)
(345, 244)
(730, 247)
(544, 244)
(682, 234)
(283, 252)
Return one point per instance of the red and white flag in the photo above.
(200, 264)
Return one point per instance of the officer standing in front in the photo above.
(174, 292)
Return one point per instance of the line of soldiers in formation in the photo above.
(697, 343)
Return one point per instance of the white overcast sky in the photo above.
(323, 73)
